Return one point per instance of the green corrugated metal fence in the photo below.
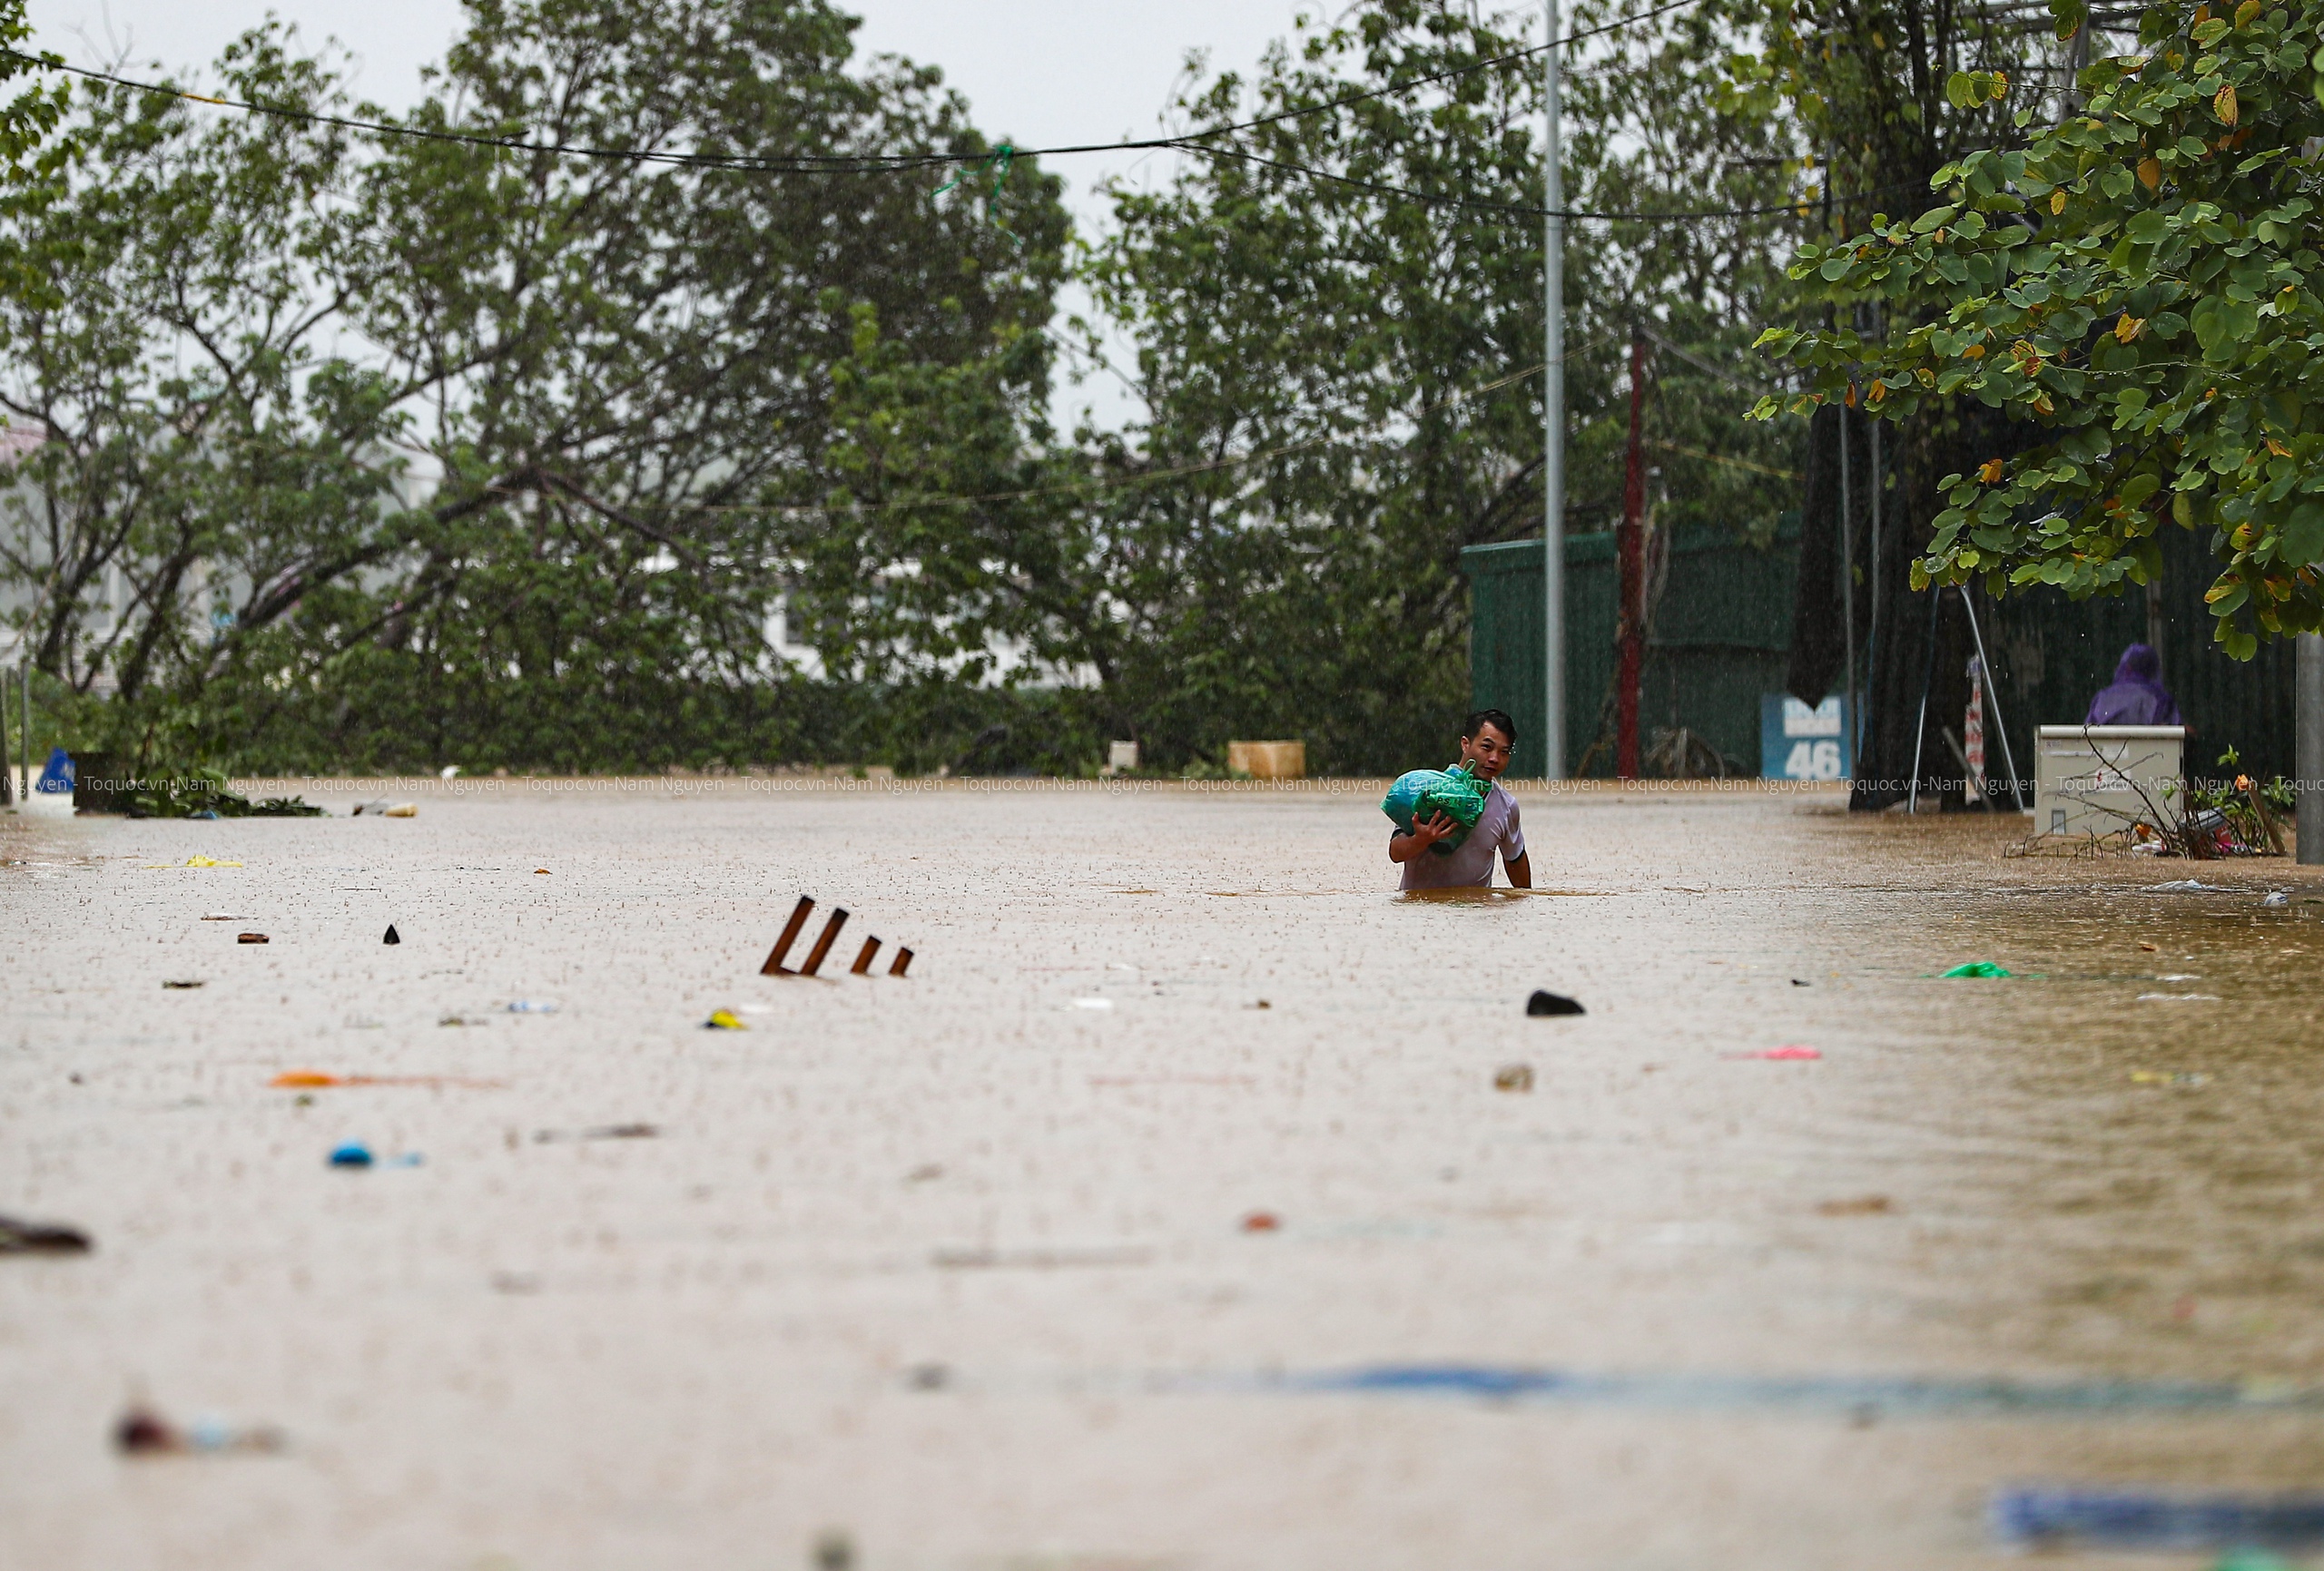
(2051, 654)
(1721, 629)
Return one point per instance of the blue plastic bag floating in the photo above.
(1419, 795)
(56, 778)
(2132, 1518)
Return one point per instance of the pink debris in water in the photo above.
(1788, 1053)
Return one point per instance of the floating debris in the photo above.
(1036, 1259)
(141, 1433)
(20, 1237)
(602, 1132)
(313, 1079)
(2058, 1518)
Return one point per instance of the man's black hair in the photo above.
(1491, 717)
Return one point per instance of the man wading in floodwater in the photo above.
(1485, 742)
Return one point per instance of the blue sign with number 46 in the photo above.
(1800, 743)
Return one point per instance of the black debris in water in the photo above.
(1544, 1002)
(18, 1237)
(391, 938)
(141, 1431)
(602, 1132)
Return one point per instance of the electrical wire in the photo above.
(1732, 463)
(1522, 210)
(873, 163)
(864, 163)
(1149, 476)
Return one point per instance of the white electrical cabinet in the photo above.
(2099, 779)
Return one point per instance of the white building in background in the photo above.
(16, 599)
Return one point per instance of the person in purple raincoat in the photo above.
(2136, 696)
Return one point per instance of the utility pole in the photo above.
(2307, 749)
(1553, 421)
(1848, 556)
(1629, 551)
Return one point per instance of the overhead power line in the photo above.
(823, 163)
(1194, 142)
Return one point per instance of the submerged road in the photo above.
(1168, 1215)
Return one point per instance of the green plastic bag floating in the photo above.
(1419, 795)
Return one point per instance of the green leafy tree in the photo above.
(201, 463)
(2138, 289)
(379, 449)
(1339, 324)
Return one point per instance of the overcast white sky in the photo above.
(1038, 73)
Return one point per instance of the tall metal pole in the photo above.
(1879, 594)
(2307, 749)
(1629, 551)
(1553, 419)
(1848, 565)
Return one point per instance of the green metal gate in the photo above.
(1721, 630)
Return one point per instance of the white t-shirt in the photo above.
(1471, 866)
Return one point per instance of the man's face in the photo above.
(1487, 753)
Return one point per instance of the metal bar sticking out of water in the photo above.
(775, 966)
(903, 963)
(1985, 676)
(1920, 726)
(862, 967)
(823, 941)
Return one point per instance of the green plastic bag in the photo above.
(1419, 795)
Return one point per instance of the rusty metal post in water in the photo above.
(823, 941)
(903, 963)
(775, 966)
(2308, 749)
(862, 967)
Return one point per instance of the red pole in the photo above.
(1629, 549)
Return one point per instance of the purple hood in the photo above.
(2136, 696)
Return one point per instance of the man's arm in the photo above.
(1520, 870)
(1404, 847)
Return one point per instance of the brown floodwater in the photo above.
(1168, 1214)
